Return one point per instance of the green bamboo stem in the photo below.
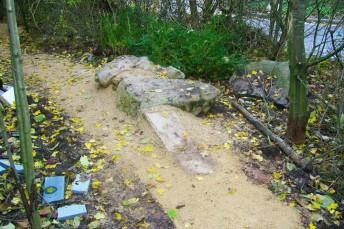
(22, 108)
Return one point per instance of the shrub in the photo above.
(211, 52)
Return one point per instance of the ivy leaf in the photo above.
(40, 118)
(84, 161)
(172, 213)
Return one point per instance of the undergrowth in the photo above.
(210, 52)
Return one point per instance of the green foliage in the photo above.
(211, 52)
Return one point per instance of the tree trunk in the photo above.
(298, 114)
(180, 9)
(22, 108)
(194, 12)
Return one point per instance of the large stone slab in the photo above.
(272, 84)
(135, 93)
(108, 73)
(276, 68)
(167, 125)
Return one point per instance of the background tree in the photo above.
(298, 115)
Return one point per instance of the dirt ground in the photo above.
(224, 199)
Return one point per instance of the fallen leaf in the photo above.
(160, 191)
(172, 213)
(96, 184)
(100, 215)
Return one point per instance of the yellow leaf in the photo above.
(100, 215)
(118, 216)
(148, 149)
(159, 179)
(96, 184)
(226, 145)
(39, 164)
(185, 134)
(277, 175)
(160, 191)
(51, 166)
(332, 191)
(254, 72)
(88, 145)
(232, 191)
(152, 170)
(258, 157)
(314, 206)
(332, 207)
(241, 135)
(15, 200)
(292, 204)
(312, 226)
(199, 178)
(313, 117)
(115, 158)
(313, 151)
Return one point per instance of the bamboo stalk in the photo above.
(22, 108)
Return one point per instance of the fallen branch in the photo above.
(303, 163)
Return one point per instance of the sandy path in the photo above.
(207, 201)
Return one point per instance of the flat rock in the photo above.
(5, 164)
(110, 71)
(139, 93)
(71, 211)
(274, 68)
(271, 82)
(7, 96)
(54, 188)
(168, 127)
(81, 184)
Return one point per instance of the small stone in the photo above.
(125, 66)
(5, 164)
(71, 211)
(54, 188)
(7, 97)
(271, 83)
(81, 184)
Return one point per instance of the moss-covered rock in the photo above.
(135, 93)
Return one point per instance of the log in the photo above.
(286, 149)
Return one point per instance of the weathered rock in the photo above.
(272, 85)
(123, 63)
(275, 68)
(168, 127)
(111, 71)
(135, 93)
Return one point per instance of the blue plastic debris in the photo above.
(81, 184)
(5, 164)
(53, 189)
(71, 211)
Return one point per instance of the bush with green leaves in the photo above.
(211, 52)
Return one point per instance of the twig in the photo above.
(303, 163)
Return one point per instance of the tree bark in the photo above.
(194, 12)
(22, 108)
(298, 114)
